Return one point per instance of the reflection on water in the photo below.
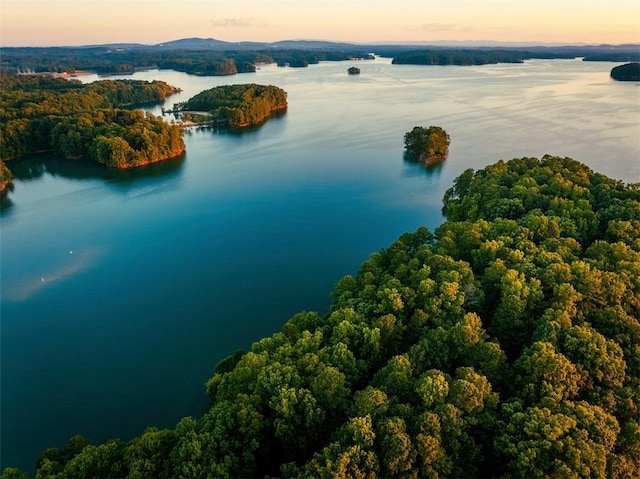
(25, 288)
(124, 181)
(35, 166)
(428, 166)
(5, 201)
(273, 117)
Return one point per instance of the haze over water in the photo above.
(122, 290)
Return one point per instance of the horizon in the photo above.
(74, 23)
(435, 43)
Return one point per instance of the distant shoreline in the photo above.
(77, 73)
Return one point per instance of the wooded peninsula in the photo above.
(626, 72)
(503, 344)
(76, 120)
(234, 106)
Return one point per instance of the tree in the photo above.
(5, 175)
(540, 443)
(13, 473)
(426, 144)
(149, 454)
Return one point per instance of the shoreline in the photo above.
(222, 123)
(149, 162)
(74, 74)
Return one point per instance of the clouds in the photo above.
(441, 27)
(468, 31)
(237, 22)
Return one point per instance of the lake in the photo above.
(121, 290)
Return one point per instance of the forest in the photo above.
(76, 120)
(206, 62)
(212, 57)
(237, 106)
(503, 344)
(466, 57)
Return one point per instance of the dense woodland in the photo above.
(75, 120)
(106, 60)
(212, 57)
(447, 55)
(237, 106)
(504, 344)
(490, 56)
(464, 57)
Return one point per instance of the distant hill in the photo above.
(314, 45)
(204, 43)
(214, 44)
(195, 43)
(383, 48)
(210, 44)
(603, 52)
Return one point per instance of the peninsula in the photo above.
(86, 121)
(626, 72)
(234, 106)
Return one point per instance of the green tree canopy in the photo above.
(76, 120)
(503, 345)
(238, 106)
(426, 144)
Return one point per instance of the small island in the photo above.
(233, 106)
(353, 71)
(626, 72)
(426, 145)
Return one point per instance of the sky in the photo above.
(87, 22)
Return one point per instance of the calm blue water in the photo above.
(122, 290)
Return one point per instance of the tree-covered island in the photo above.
(626, 72)
(76, 120)
(503, 345)
(426, 145)
(235, 106)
